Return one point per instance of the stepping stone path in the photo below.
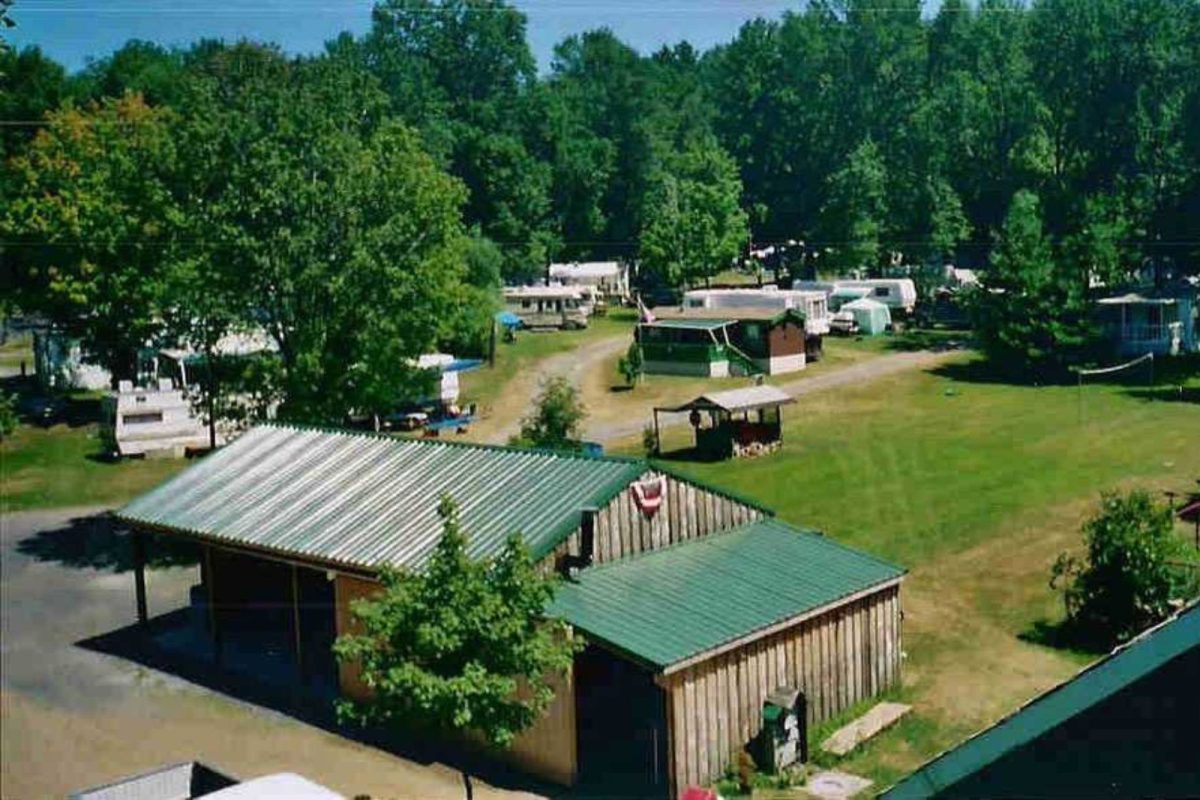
(834, 785)
(849, 737)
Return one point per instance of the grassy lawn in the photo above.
(609, 400)
(61, 466)
(16, 350)
(976, 487)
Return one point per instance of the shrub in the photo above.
(630, 365)
(8, 414)
(1131, 573)
(555, 421)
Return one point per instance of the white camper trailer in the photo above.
(141, 421)
(814, 305)
(898, 294)
(549, 306)
(609, 280)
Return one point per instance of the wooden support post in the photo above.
(657, 436)
(210, 589)
(139, 575)
(299, 652)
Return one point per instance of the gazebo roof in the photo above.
(748, 399)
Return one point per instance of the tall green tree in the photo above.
(854, 216)
(1032, 313)
(460, 646)
(30, 85)
(694, 224)
(91, 218)
(462, 73)
(344, 236)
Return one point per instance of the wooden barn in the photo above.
(695, 604)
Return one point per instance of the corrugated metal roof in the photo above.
(366, 500)
(1098, 682)
(666, 606)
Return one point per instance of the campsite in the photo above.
(490, 399)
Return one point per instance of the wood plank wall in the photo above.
(714, 708)
(687, 512)
(546, 749)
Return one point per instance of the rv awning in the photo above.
(689, 324)
(687, 602)
(1134, 299)
(748, 399)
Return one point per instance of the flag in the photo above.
(644, 314)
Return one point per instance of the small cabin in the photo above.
(567, 307)
(722, 342)
(736, 423)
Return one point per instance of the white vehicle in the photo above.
(898, 294)
(549, 306)
(814, 305)
(141, 421)
(609, 280)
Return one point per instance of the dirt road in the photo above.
(847, 376)
(505, 419)
(74, 718)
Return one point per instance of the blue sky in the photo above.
(71, 31)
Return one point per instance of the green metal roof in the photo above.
(1098, 682)
(365, 500)
(671, 604)
(690, 324)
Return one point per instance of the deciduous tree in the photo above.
(460, 645)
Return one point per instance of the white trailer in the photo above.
(898, 294)
(814, 305)
(152, 421)
(550, 306)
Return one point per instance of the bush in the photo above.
(649, 440)
(8, 414)
(554, 423)
(1131, 574)
(630, 365)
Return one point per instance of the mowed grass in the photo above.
(609, 400)
(975, 487)
(62, 466)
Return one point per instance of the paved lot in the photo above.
(73, 717)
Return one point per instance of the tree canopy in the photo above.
(461, 645)
(861, 137)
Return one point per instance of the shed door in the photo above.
(622, 728)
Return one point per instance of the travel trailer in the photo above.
(549, 306)
(813, 305)
(145, 421)
(898, 294)
(609, 280)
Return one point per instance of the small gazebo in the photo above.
(734, 423)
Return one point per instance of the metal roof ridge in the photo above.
(504, 448)
(829, 539)
(707, 540)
